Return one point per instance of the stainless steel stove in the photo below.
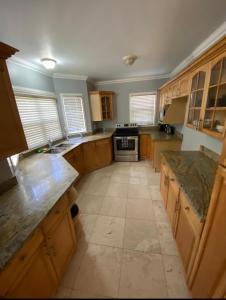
(126, 142)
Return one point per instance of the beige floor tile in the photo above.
(138, 180)
(74, 266)
(85, 225)
(98, 187)
(114, 207)
(140, 209)
(90, 204)
(100, 271)
(141, 235)
(108, 231)
(117, 190)
(175, 277)
(140, 171)
(142, 275)
(160, 212)
(154, 178)
(63, 293)
(138, 191)
(167, 241)
(78, 294)
(119, 178)
(155, 193)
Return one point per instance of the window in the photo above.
(73, 113)
(40, 120)
(142, 108)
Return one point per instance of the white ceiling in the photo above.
(90, 37)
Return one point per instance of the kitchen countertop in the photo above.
(157, 135)
(195, 173)
(42, 180)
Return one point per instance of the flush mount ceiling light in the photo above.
(129, 59)
(48, 63)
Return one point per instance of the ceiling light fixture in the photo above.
(129, 59)
(48, 63)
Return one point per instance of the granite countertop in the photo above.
(42, 180)
(195, 173)
(157, 135)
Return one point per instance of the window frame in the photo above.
(34, 93)
(155, 108)
(65, 129)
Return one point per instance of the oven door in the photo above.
(125, 145)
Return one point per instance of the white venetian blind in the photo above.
(40, 120)
(142, 109)
(74, 114)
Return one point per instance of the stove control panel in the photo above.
(126, 125)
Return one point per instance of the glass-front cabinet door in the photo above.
(197, 95)
(215, 108)
(106, 105)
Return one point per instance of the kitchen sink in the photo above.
(64, 145)
(54, 150)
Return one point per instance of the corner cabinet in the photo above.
(101, 105)
(11, 131)
(215, 107)
(196, 97)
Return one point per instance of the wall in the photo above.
(192, 140)
(24, 77)
(121, 98)
(77, 87)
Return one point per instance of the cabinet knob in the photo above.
(57, 212)
(172, 179)
(23, 257)
(187, 207)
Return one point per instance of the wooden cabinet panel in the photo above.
(101, 105)
(211, 262)
(188, 231)
(11, 131)
(38, 279)
(172, 201)
(143, 146)
(89, 156)
(78, 159)
(61, 242)
(164, 182)
(184, 86)
(103, 152)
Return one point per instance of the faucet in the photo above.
(50, 142)
(80, 133)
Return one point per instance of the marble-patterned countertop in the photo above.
(157, 135)
(42, 180)
(195, 173)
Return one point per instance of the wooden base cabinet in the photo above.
(188, 232)
(209, 272)
(145, 146)
(36, 269)
(164, 182)
(103, 152)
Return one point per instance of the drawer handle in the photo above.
(187, 207)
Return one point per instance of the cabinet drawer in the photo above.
(19, 262)
(104, 141)
(56, 213)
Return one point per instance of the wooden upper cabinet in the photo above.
(196, 97)
(11, 131)
(184, 86)
(215, 107)
(101, 105)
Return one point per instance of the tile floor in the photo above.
(126, 248)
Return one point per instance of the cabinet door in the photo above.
(103, 152)
(38, 280)
(11, 131)
(61, 242)
(212, 260)
(164, 182)
(184, 86)
(215, 108)
(143, 146)
(188, 231)
(78, 159)
(172, 201)
(149, 147)
(70, 158)
(89, 155)
(197, 96)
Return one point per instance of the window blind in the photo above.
(40, 120)
(142, 109)
(74, 114)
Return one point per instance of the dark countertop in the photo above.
(195, 173)
(42, 180)
(157, 135)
